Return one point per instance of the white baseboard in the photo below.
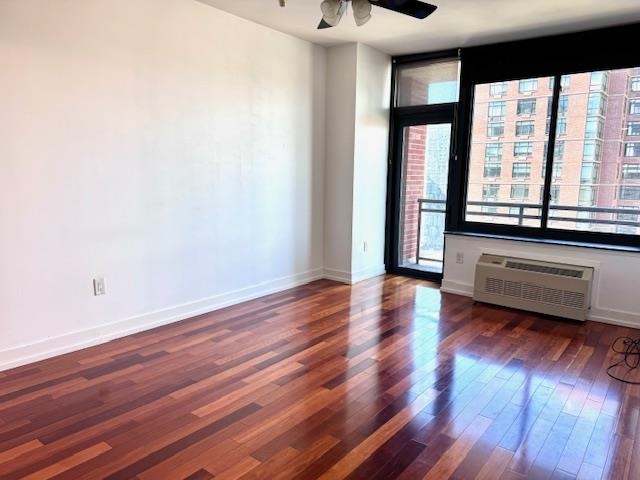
(457, 288)
(353, 277)
(598, 314)
(51, 347)
(337, 275)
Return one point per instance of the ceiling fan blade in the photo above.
(323, 25)
(333, 11)
(413, 8)
(361, 11)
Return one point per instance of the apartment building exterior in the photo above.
(596, 168)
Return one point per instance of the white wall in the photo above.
(358, 90)
(340, 134)
(373, 91)
(615, 296)
(174, 149)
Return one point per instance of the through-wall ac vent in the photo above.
(531, 267)
(556, 289)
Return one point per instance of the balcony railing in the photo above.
(438, 207)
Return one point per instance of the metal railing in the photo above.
(427, 206)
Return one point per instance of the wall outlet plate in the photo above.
(98, 287)
(460, 257)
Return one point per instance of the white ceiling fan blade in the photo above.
(361, 11)
(333, 10)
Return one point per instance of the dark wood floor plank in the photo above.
(385, 379)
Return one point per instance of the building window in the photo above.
(497, 111)
(592, 151)
(490, 193)
(521, 170)
(631, 171)
(633, 129)
(563, 104)
(594, 127)
(632, 150)
(630, 192)
(634, 107)
(525, 128)
(557, 169)
(628, 217)
(589, 173)
(492, 169)
(599, 81)
(528, 85)
(498, 89)
(495, 129)
(597, 104)
(519, 192)
(554, 195)
(565, 82)
(587, 197)
(635, 84)
(522, 149)
(561, 127)
(527, 106)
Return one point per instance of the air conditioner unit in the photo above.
(549, 288)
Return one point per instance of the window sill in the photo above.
(547, 241)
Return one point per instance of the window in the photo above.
(632, 150)
(599, 81)
(631, 171)
(589, 173)
(527, 106)
(495, 129)
(594, 127)
(563, 105)
(596, 105)
(565, 82)
(528, 85)
(519, 192)
(496, 111)
(493, 152)
(427, 83)
(492, 160)
(492, 169)
(490, 193)
(592, 151)
(635, 84)
(490, 210)
(562, 126)
(522, 149)
(633, 129)
(557, 169)
(525, 128)
(628, 217)
(521, 170)
(587, 186)
(498, 89)
(630, 192)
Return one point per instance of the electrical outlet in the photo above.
(460, 257)
(365, 246)
(98, 287)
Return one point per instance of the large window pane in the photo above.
(599, 187)
(508, 151)
(428, 83)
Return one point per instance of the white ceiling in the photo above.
(456, 23)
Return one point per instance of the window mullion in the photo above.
(548, 178)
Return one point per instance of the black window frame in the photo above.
(522, 60)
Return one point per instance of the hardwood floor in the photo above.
(386, 379)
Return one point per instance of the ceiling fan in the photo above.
(334, 10)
